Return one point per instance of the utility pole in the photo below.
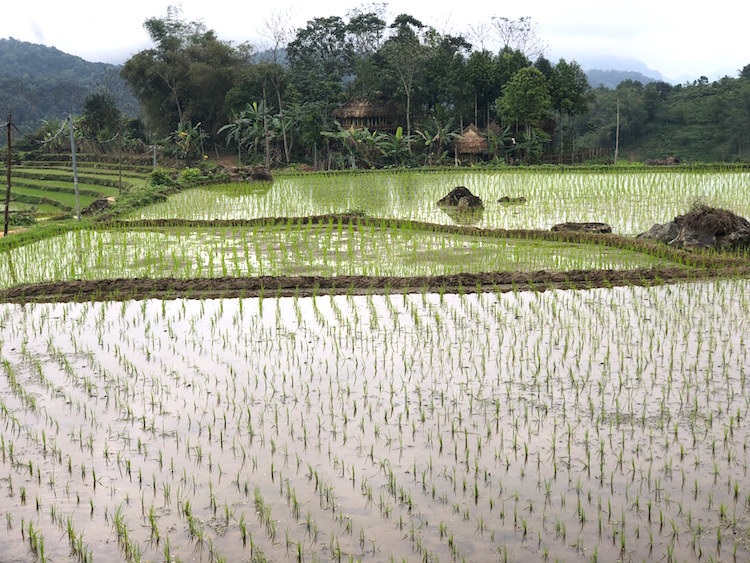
(119, 155)
(7, 172)
(75, 165)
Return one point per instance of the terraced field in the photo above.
(331, 368)
(46, 188)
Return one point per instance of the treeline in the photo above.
(698, 122)
(416, 89)
(362, 91)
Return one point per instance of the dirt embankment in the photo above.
(305, 286)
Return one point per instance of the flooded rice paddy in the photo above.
(606, 424)
(630, 201)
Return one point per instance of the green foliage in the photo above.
(39, 82)
(189, 177)
(186, 76)
(696, 122)
(21, 219)
(319, 57)
(161, 177)
(101, 116)
(274, 113)
(525, 97)
(188, 139)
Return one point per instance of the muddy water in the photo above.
(608, 422)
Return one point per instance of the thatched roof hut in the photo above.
(363, 114)
(470, 143)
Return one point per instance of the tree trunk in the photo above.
(283, 125)
(408, 119)
(265, 130)
(560, 115)
(572, 136)
(617, 132)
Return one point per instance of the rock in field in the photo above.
(590, 227)
(461, 198)
(507, 200)
(703, 228)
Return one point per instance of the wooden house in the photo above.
(366, 115)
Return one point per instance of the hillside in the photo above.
(611, 78)
(40, 82)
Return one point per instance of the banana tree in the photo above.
(237, 130)
(346, 138)
(396, 147)
(436, 138)
(188, 139)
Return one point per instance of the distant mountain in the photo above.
(267, 56)
(39, 82)
(611, 78)
(618, 63)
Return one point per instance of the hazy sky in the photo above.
(676, 38)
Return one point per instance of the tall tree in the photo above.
(526, 100)
(185, 76)
(101, 116)
(366, 31)
(483, 78)
(569, 89)
(519, 35)
(443, 70)
(404, 55)
(319, 57)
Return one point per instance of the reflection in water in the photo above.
(463, 418)
(242, 189)
(466, 216)
(631, 203)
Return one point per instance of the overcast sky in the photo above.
(675, 38)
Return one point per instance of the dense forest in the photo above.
(361, 91)
(42, 83)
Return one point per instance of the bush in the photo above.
(190, 177)
(161, 177)
(21, 219)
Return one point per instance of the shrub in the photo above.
(161, 177)
(190, 177)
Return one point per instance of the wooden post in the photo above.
(7, 190)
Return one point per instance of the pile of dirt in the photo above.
(98, 205)
(703, 228)
(245, 173)
(461, 198)
(590, 227)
